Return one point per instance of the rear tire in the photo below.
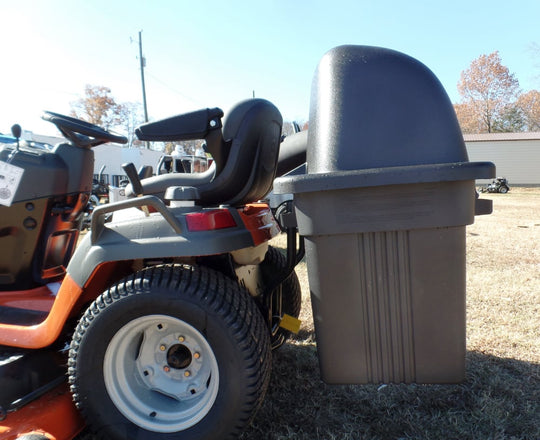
(172, 352)
(273, 264)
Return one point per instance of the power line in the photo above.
(172, 89)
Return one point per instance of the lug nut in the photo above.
(196, 355)
(187, 373)
(181, 339)
(166, 369)
(162, 347)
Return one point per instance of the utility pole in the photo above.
(143, 64)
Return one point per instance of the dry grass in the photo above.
(500, 398)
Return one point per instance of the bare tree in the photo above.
(488, 88)
(130, 114)
(529, 105)
(468, 118)
(99, 107)
(510, 120)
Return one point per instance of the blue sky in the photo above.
(215, 53)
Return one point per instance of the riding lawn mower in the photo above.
(160, 323)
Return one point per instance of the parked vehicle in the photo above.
(181, 162)
(99, 188)
(6, 139)
(498, 185)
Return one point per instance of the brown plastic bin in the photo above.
(383, 210)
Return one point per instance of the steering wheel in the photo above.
(82, 133)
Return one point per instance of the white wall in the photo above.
(113, 157)
(517, 160)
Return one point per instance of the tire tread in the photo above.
(221, 297)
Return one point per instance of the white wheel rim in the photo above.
(161, 373)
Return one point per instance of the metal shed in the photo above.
(516, 155)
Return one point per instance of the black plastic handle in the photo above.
(133, 177)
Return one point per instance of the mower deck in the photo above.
(35, 394)
(54, 413)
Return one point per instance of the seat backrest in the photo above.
(253, 130)
(249, 148)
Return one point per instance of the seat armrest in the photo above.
(188, 126)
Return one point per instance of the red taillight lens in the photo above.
(210, 220)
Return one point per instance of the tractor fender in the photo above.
(152, 237)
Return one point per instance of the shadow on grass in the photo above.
(500, 399)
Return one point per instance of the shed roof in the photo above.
(483, 137)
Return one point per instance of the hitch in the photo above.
(272, 294)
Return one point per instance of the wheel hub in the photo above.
(179, 357)
(161, 373)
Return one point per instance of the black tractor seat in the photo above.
(245, 151)
(158, 184)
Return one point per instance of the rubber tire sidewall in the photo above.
(106, 324)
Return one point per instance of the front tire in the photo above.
(172, 352)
